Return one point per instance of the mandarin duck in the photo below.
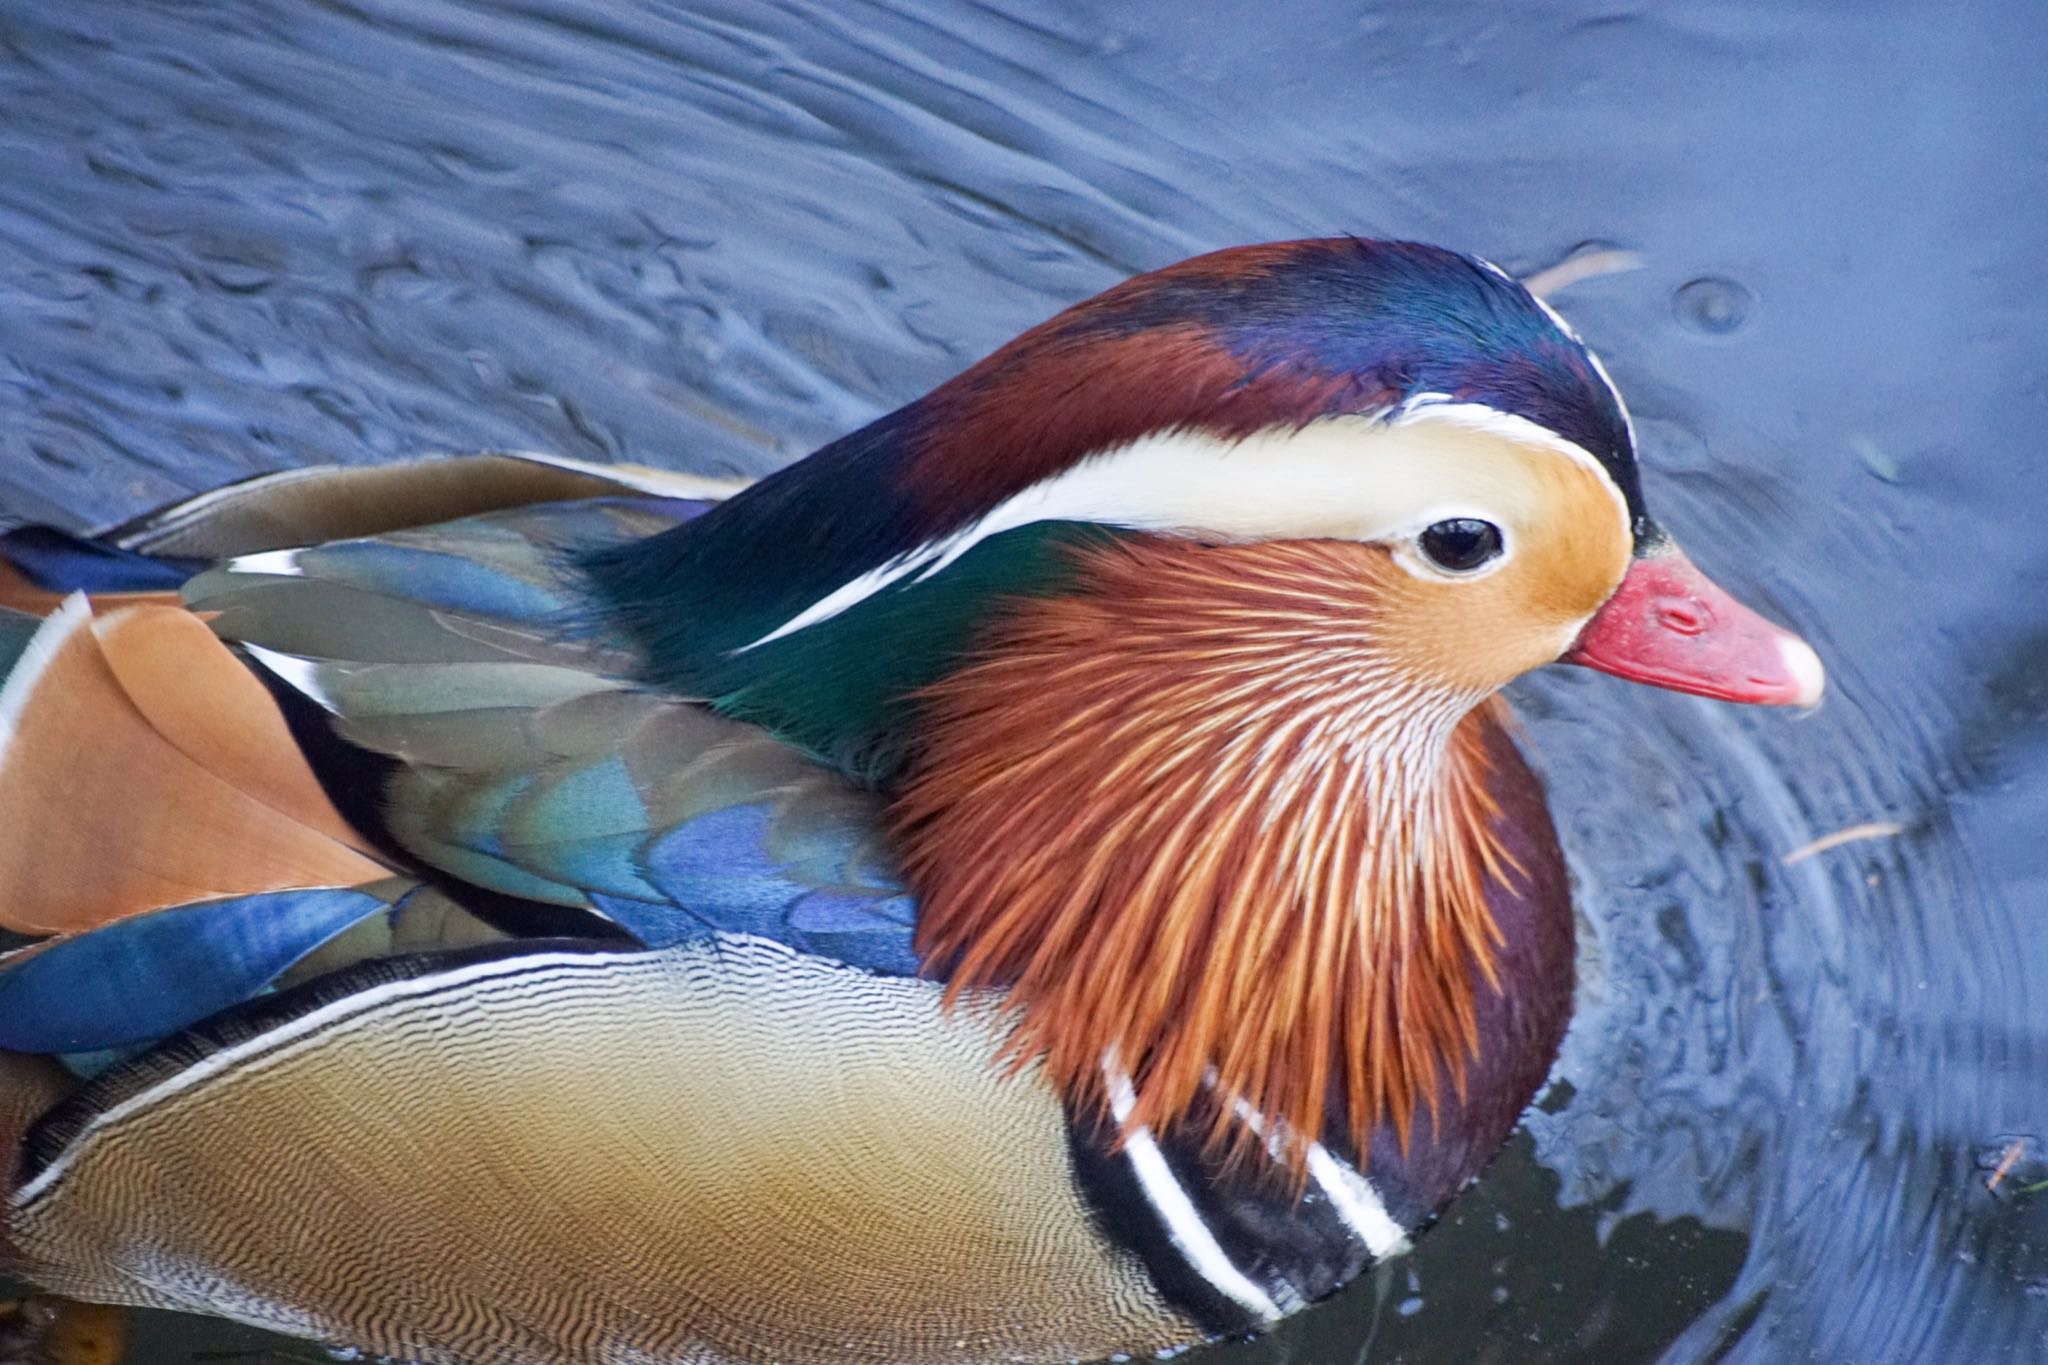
(1047, 877)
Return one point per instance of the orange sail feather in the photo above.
(141, 766)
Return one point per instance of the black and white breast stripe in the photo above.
(1237, 1250)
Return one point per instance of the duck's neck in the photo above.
(1196, 820)
(707, 607)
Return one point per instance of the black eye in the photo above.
(1461, 544)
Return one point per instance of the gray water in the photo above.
(241, 235)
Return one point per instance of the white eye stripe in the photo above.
(1520, 430)
(1441, 407)
(1376, 479)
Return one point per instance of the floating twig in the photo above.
(1870, 829)
(1580, 267)
(2006, 1162)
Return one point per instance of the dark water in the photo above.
(237, 236)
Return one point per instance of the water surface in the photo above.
(241, 235)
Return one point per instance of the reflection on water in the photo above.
(240, 235)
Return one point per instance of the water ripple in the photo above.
(239, 235)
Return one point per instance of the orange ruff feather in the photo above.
(1197, 820)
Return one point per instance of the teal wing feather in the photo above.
(524, 758)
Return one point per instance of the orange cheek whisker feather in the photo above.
(1252, 865)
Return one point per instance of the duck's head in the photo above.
(1385, 395)
(1416, 405)
(1180, 601)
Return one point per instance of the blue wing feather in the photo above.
(435, 577)
(57, 561)
(724, 865)
(153, 975)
